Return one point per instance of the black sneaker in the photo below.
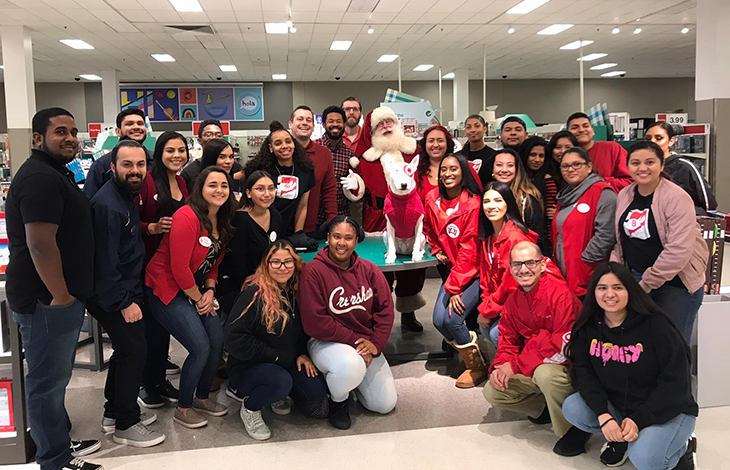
(614, 454)
(573, 443)
(687, 461)
(78, 464)
(233, 393)
(80, 448)
(171, 368)
(339, 414)
(409, 323)
(544, 418)
(149, 398)
(167, 392)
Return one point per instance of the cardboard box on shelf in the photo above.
(713, 231)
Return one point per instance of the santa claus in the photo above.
(382, 134)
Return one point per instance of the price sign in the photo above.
(673, 118)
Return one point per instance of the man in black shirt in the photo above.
(49, 278)
(475, 150)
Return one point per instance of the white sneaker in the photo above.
(109, 425)
(254, 424)
(281, 407)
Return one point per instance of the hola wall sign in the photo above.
(249, 104)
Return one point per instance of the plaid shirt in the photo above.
(341, 160)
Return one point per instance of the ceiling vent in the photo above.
(188, 30)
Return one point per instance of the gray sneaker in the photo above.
(138, 435)
(254, 424)
(190, 418)
(109, 425)
(209, 407)
(281, 407)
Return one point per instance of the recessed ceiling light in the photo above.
(371, 30)
(638, 19)
(163, 57)
(615, 73)
(186, 5)
(603, 66)
(89, 76)
(276, 28)
(616, 31)
(511, 30)
(685, 30)
(575, 45)
(292, 30)
(423, 67)
(77, 43)
(340, 45)
(449, 75)
(228, 68)
(554, 29)
(594, 56)
(278, 76)
(526, 6)
(388, 57)
(637, 30)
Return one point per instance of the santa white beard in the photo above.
(388, 143)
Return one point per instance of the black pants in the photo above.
(158, 347)
(267, 383)
(125, 365)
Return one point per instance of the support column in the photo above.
(461, 94)
(712, 90)
(110, 95)
(19, 92)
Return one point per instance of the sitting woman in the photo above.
(631, 369)
(267, 347)
(180, 289)
(450, 223)
(347, 309)
(500, 229)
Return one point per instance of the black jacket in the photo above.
(248, 343)
(688, 177)
(101, 172)
(119, 253)
(641, 367)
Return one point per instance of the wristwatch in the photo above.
(206, 289)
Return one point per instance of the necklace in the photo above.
(277, 165)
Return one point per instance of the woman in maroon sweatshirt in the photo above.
(347, 309)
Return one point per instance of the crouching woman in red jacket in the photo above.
(451, 222)
(347, 309)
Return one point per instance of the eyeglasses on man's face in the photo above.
(530, 264)
(217, 135)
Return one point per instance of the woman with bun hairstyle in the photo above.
(287, 161)
(583, 233)
(541, 171)
(559, 143)
(347, 309)
(500, 229)
(451, 225)
(267, 347)
(683, 172)
(658, 237)
(219, 152)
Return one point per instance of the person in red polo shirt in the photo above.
(353, 116)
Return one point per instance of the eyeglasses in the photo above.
(530, 263)
(218, 135)
(575, 166)
(351, 109)
(277, 264)
(264, 189)
(384, 123)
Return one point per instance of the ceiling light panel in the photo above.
(163, 57)
(590, 57)
(615, 73)
(276, 28)
(340, 45)
(186, 5)
(575, 45)
(89, 76)
(603, 66)
(423, 67)
(77, 43)
(278, 76)
(554, 29)
(228, 68)
(387, 57)
(526, 6)
(449, 75)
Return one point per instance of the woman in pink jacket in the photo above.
(658, 237)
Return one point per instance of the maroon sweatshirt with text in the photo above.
(343, 305)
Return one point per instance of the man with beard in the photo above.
(49, 278)
(333, 118)
(118, 261)
(353, 114)
(322, 204)
(513, 133)
(130, 125)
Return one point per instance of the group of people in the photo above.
(206, 251)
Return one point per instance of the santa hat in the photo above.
(381, 114)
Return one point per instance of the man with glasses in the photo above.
(353, 114)
(529, 373)
(209, 129)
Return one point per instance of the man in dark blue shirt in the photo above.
(119, 262)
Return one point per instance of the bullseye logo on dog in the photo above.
(452, 230)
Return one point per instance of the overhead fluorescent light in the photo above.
(685, 30)
(278, 76)
(388, 57)
(615, 73)
(590, 57)
(449, 75)
(637, 30)
(77, 43)
(186, 5)
(228, 68)
(423, 67)
(511, 30)
(371, 30)
(526, 6)
(276, 28)
(340, 45)
(616, 31)
(554, 29)
(575, 45)
(607, 65)
(163, 57)
(90, 76)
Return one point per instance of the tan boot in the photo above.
(476, 368)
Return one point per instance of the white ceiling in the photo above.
(447, 33)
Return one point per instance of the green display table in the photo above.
(373, 249)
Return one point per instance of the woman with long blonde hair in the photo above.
(267, 347)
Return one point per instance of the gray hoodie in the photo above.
(604, 238)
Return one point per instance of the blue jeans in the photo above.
(492, 332)
(200, 335)
(681, 305)
(50, 336)
(453, 327)
(659, 446)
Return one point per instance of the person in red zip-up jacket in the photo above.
(500, 228)
(529, 372)
(451, 223)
